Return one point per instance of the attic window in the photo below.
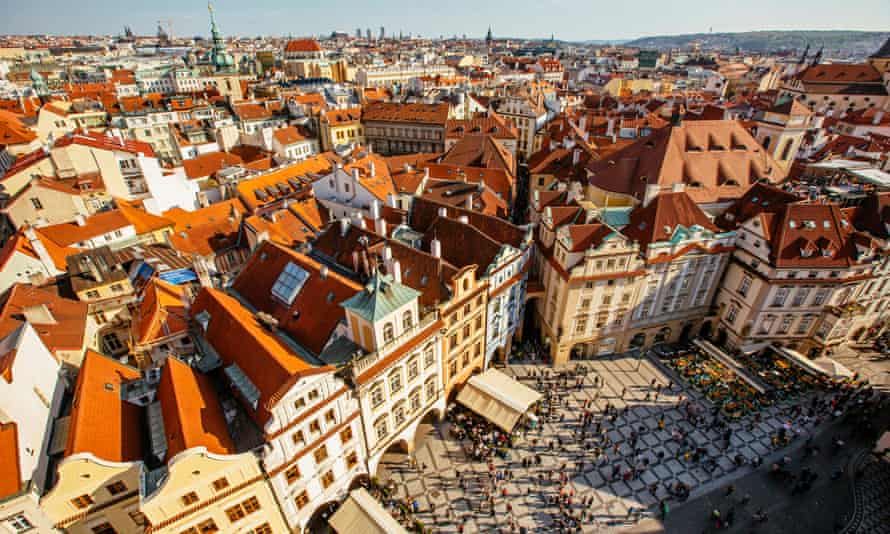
(109, 386)
(805, 252)
(289, 283)
(792, 224)
(753, 200)
(810, 224)
(826, 224)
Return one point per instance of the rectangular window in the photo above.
(262, 529)
(429, 357)
(780, 297)
(251, 505)
(413, 369)
(321, 454)
(235, 513)
(19, 523)
(351, 460)
(744, 286)
(298, 438)
(292, 474)
(314, 426)
(732, 313)
(289, 283)
(313, 395)
(82, 501)
(116, 488)
(36, 203)
(330, 417)
(207, 527)
(189, 498)
(346, 435)
(138, 517)
(302, 499)
(327, 479)
(220, 484)
(300, 403)
(104, 528)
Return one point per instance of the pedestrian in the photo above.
(746, 499)
(623, 391)
(730, 490)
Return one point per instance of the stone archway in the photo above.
(705, 330)
(663, 335)
(686, 332)
(362, 480)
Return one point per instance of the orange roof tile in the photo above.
(13, 131)
(68, 331)
(209, 164)
(161, 313)
(102, 423)
(206, 230)
(105, 142)
(289, 135)
(248, 189)
(193, 416)
(10, 466)
(302, 45)
(239, 338)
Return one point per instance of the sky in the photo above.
(566, 19)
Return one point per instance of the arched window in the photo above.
(387, 333)
(407, 321)
(380, 427)
(766, 141)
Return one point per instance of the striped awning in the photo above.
(498, 398)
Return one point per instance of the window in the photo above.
(313, 395)
(321, 454)
(453, 342)
(395, 381)
(407, 321)
(36, 203)
(413, 369)
(581, 326)
(377, 395)
(479, 322)
(302, 499)
(804, 324)
(380, 427)
(414, 399)
(292, 474)
(785, 324)
(300, 403)
(429, 358)
(327, 479)
(138, 517)
(314, 426)
(82, 501)
(351, 460)
(398, 413)
(235, 513)
(452, 367)
(821, 297)
(207, 527)
(298, 437)
(19, 523)
(388, 333)
(261, 529)
(744, 286)
(779, 298)
(104, 528)
(346, 435)
(732, 313)
(430, 388)
(289, 283)
(189, 498)
(112, 343)
(92, 294)
(116, 488)
(330, 417)
(251, 505)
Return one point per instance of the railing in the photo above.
(386, 349)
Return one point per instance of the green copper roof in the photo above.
(381, 296)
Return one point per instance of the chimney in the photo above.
(323, 272)
(375, 209)
(576, 156)
(443, 212)
(463, 219)
(38, 314)
(80, 220)
(41, 251)
(652, 191)
(372, 168)
(436, 248)
(468, 202)
(426, 173)
(380, 227)
(610, 128)
(678, 187)
(387, 254)
(397, 271)
(582, 123)
(262, 236)
(355, 174)
(344, 226)
(879, 115)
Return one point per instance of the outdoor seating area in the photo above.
(720, 384)
(785, 379)
(481, 439)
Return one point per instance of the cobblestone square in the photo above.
(597, 485)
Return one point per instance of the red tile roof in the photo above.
(13, 131)
(193, 416)
(68, 331)
(10, 466)
(657, 222)
(414, 113)
(161, 313)
(205, 165)
(105, 142)
(302, 45)
(288, 136)
(102, 423)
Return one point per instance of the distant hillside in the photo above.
(838, 43)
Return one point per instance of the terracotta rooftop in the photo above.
(102, 423)
(416, 113)
(192, 414)
(10, 466)
(302, 45)
(657, 222)
(68, 328)
(205, 165)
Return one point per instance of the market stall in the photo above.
(498, 398)
(362, 514)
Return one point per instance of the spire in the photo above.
(488, 37)
(818, 57)
(806, 52)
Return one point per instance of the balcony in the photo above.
(366, 362)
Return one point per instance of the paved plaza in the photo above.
(531, 492)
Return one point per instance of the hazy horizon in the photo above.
(569, 20)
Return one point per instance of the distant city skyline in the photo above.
(572, 20)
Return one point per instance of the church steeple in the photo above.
(818, 57)
(219, 56)
(488, 37)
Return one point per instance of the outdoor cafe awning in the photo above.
(819, 366)
(729, 362)
(362, 514)
(498, 398)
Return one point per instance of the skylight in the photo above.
(289, 283)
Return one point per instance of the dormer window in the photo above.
(806, 253)
(289, 283)
(388, 333)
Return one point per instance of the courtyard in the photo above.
(648, 434)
